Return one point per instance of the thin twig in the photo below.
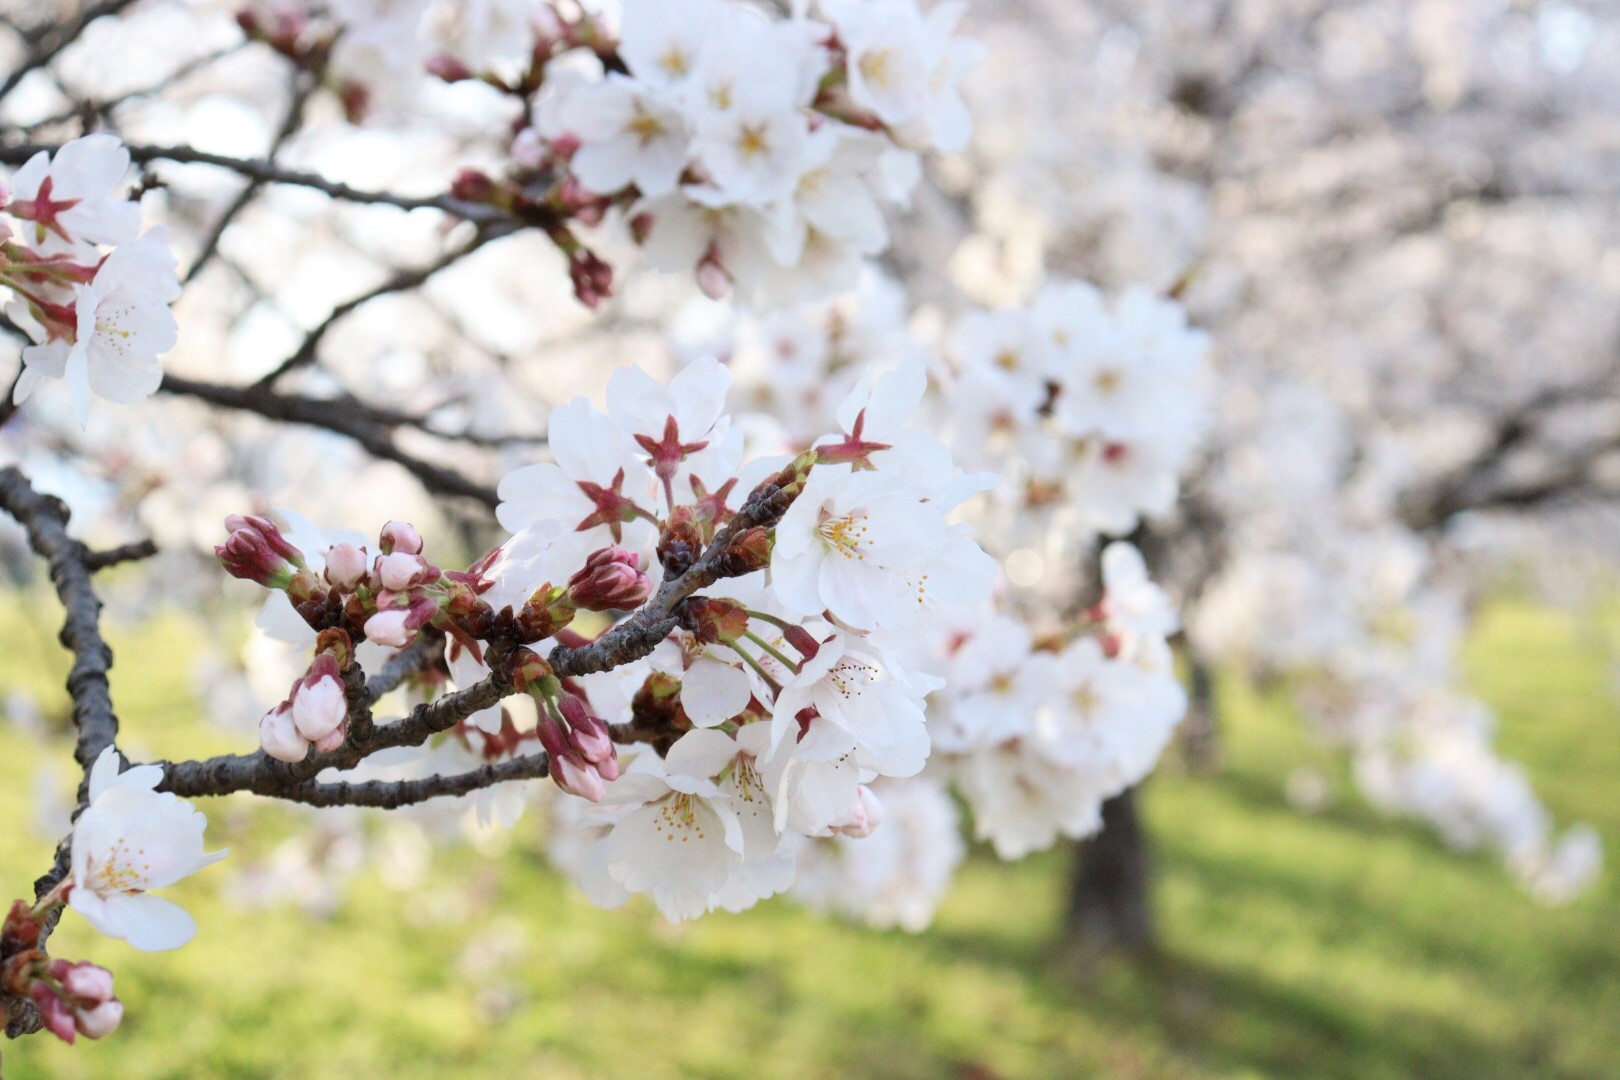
(372, 429)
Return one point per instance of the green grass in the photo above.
(1338, 944)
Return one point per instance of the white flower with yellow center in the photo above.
(855, 544)
(129, 840)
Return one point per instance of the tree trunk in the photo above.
(1200, 731)
(1108, 899)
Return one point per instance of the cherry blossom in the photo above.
(131, 839)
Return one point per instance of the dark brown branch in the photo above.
(45, 518)
(407, 662)
(71, 564)
(371, 428)
(392, 794)
(100, 560)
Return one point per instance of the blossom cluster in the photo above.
(92, 293)
(1038, 734)
(759, 154)
(755, 152)
(767, 704)
(1040, 717)
(1090, 406)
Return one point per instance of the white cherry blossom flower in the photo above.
(129, 840)
(73, 200)
(123, 323)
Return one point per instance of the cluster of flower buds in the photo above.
(583, 757)
(386, 599)
(73, 999)
(316, 711)
(97, 318)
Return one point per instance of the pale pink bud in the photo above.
(280, 737)
(399, 571)
(319, 708)
(713, 279)
(529, 149)
(609, 581)
(330, 741)
(100, 1021)
(389, 628)
(400, 536)
(88, 984)
(345, 566)
(864, 817)
(577, 778)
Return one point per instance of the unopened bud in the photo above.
(472, 185)
(389, 628)
(345, 566)
(544, 614)
(748, 551)
(529, 668)
(448, 68)
(592, 278)
(319, 707)
(863, 818)
(398, 571)
(54, 1012)
(681, 542)
(611, 580)
(279, 736)
(715, 620)
(100, 1021)
(400, 536)
(256, 551)
(88, 984)
(713, 279)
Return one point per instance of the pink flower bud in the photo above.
(592, 277)
(577, 778)
(390, 628)
(319, 708)
(864, 817)
(713, 279)
(400, 536)
(279, 736)
(611, 580)
(399, 571)
(345, 566)
(88, 984)
(448, 68)
(256, 551)
(100, 1021)
(53, 1011)
(331, 740)
(565, 145)
(472, 185)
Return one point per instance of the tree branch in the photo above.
(624, 643)
(392, 794)
(371, 428)
(268, 172)
(54, 38)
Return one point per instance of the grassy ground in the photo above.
(1337, 944)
